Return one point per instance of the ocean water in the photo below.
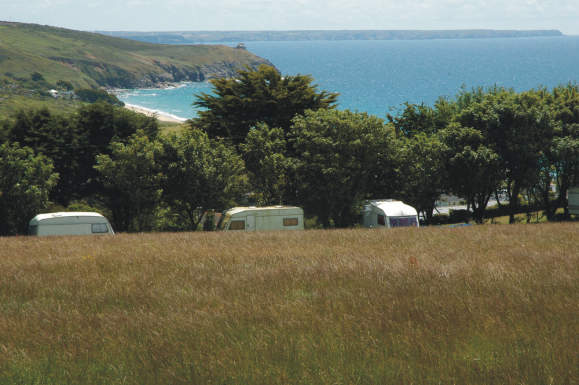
(379, 76)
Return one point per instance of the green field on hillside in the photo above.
(487, 304)
(11, 104)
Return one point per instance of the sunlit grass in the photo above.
(172, 127)
(471, 305)
(11, 103)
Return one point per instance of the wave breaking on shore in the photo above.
(160, 115)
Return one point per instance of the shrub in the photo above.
(92, 96)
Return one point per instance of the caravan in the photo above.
(388, 213)
(262, 218)
(69, 223)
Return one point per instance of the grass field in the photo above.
(492, 304)
(10, 104)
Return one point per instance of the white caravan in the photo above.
(69, 223)
(388, 213)
(573, 200)
(262, 218)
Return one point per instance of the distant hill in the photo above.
(87, 59)
(185, 37)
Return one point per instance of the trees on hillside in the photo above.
(95, 95)
(255, 96)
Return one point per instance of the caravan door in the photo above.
(250, 223)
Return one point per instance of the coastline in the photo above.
(160, 115)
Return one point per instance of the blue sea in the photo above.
(379, 76)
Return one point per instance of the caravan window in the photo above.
(99, 228)
(403, 221)
(381, 220)
(237, 225)
(290, 221)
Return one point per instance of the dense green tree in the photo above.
(337, 153)
(91, 95)
(518, 127)
(265, 155)
(200, 174)
(133, 179)
(61, 140)
(563, 153)
(73, 141)
(254, 96)
(64, 85)
(420, 118)
(25, 182)
(473, 169)
(101, 124)
(422, 172)
(37, 77)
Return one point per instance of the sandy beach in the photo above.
(159, 115)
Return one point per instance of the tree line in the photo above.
(263, 138)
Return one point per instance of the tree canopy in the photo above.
(255, 96)
(339, 156)
(133, 178)
(200, 174)
(267, 161)
(25, 182)
(73, 142)
(275, 140)
(473, 169)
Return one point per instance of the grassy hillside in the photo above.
(10, 104)
(34, 58)
(473, 305)
(90, 59)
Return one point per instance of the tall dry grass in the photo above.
(473, 305)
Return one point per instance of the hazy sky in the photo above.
(193, 15)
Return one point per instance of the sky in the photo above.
(239, 15)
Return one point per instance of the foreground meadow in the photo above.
(473, 305)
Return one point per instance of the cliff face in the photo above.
(172, 73)
(157, 73)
